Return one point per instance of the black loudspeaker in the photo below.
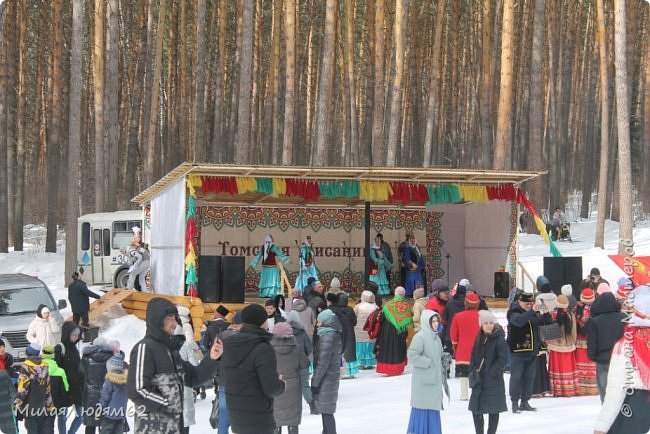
(209, 278)
(561, 271)
(501, 284)
(233, 274)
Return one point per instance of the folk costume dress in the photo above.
(378, 266)
(415, 268)
(270, 284)
(562, 363)
(396, 319)
(307, 265)
(587, 384)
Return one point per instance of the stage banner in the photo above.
(639, 265)
(338, 238)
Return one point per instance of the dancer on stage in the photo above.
(307, 264)
(379, 263)
(270, 284)
(415, 264)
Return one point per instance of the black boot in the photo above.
(515, 406)
(525, 406)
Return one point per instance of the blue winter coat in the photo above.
(114, 398)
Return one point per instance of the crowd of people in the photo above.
(265, 361)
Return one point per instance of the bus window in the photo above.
(123, 233)
(107, 242)
(97, 242)
(85, 236)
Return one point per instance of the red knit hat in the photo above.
(472, 297)
(587, 295)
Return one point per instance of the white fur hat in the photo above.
(567, 290)
(335, 283)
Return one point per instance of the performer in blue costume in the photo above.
(415, 264)
(378, 266)
(307, 264)
(269, 284)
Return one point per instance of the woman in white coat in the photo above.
(425, 354)
(44, 330)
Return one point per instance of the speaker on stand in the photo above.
(501, 284)
(209, 278)
(562, 271)
(233, 275)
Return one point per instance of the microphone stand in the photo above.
(448, 257)
(350, 259)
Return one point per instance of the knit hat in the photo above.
(603, 288)
(41, 310)
(254, 315)
(640, 298)
(47, 352)
(567, 289)
(222, 310)
(594, 272)
(310, 280)
(436, 286)
(115, 346)
(115, 364)
(183, 310)
(465, 283)
(400, 291)
(33, 350)
(472, 297)
(543, 284)
(335, 284)
(418, 293)
(324, 315)
(562, 301)
(527, 297)
(486, 316)
(282, 329)
(587, 295)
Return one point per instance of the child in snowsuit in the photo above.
(113, 399)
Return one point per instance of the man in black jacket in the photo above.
(250, 370)
(78, 294)
(605, 329)
(523, 339)
(157, 373)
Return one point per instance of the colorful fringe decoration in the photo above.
(541, 226)
(191, 279)
(474, 193)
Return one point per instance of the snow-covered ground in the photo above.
(371, 403)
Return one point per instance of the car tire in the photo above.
(122, 278)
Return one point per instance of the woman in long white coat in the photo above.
(425, 354)
(44, 330)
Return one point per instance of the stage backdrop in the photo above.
(338, 237)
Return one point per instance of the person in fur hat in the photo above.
(43, 330)
(625, 408)
(464, 329)
(586, 369)
(489, 359)
(562, 362)
(113, 398)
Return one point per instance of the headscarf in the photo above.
(322, 317)
(398, 312)
(268, 242)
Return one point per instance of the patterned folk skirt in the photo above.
(586, 369)
(562, 373)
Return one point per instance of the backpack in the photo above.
(373, 324)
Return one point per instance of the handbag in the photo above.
(474, 376)
(550, 332)
(214, 413)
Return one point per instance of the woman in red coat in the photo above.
(464, 328)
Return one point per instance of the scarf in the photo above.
(398, 313)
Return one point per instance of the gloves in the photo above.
(314, 390)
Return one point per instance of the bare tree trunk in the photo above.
(536, 117)
(378, 149)
(401, 13)
(320, 141)
(98, 89)
(54, 127)
(504, 132)
(19, 192)
(623, 126)
(486, 84)
(198, 148)
(111, 91)
(270, 101)
(154, 79)
(242, 142)
(11, 56)
(218, 139)
(74, 137)
(604, 125)
(352, 151)
(434, 87)
(290, 78)
(645, 180)
(4, 163)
